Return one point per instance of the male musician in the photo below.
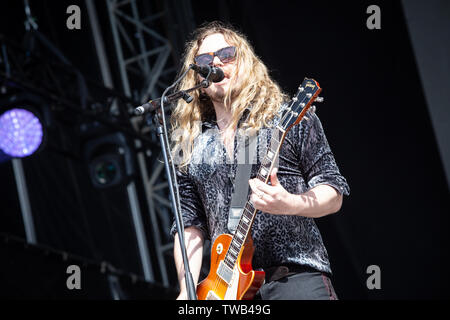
(306, 185)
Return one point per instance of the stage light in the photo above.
(106, 170)
(109, 160)
(21, 132)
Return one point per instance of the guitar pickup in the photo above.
(225, 273)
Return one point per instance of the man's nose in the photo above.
(217, 62)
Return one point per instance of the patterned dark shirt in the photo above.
(305, 161)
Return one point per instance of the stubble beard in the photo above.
(220, 95)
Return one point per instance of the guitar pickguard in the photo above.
(232, 291)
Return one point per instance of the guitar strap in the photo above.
(246, 155)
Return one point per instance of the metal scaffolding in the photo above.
(147, 36)
(141, 39)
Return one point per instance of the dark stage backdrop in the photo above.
(376, 120)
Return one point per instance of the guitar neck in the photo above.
(249, 212)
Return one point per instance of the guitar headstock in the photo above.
(307, 93)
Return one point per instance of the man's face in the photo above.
(217, 90)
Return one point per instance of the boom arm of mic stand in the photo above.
(154, 105)
(174, 97)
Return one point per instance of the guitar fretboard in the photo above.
(249, 211)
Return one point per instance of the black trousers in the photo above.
(305, 285)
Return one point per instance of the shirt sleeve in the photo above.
(192, 209)
(316, 159)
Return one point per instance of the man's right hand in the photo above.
(182, 295)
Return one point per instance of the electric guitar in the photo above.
(231, 276)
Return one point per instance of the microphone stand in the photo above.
(170, 167)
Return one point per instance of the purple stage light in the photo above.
(20, 132)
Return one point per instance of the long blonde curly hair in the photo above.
(257, 91)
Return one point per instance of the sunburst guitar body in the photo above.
(244, 282)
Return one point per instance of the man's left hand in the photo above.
(272, 198)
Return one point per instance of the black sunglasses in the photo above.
(225, 55)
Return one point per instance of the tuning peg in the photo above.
(319, 99)
(312, 109)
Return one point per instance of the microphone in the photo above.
(216, 75)
(146, 107)
(143, 109)
(150, 106)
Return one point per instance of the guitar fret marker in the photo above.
(238, 242)
(263, 172)
(240, 235)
